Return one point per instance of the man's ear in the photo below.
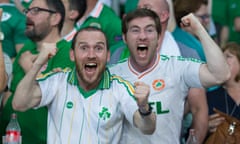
(55, 19)
(72, 55)
(164, 16)
(73, 15)
(108, 56)
(124, 38)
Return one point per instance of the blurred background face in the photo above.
(158, 6)
(38, 21)
(233, 63)
(91, 55)
(150, 4)
(203, 15)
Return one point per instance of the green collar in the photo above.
(104, 83)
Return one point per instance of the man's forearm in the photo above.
(28, 93)
(197, 103)
(200, 124)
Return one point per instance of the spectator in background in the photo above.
(6, 74)
(226, 98)
(3, 76)
(141, 32)
(74, 10)
(45, 20)
(102, 16)
(183, 7)
(5, 69)
(204, 15)
(13, 27)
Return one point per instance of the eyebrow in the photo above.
(99, 42)
(136, 26)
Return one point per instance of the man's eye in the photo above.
(35, 10)
(82, 47)
(150, 30)
(135, 30)
(99, 48)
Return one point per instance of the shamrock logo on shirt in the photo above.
(104, 114)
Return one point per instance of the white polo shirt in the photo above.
(169, 79)
(93, 117)
(169, 45)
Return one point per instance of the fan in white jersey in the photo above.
(169, 77)
(86, 104)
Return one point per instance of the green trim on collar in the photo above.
(43, 76)
(104, 83)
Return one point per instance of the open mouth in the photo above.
(90, 67)
(142, 47)
(142, 51)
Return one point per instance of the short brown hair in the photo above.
(140, 13)
(89, 28)
(234, 49)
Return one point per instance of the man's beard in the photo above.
(34, 36)
(94, 82)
